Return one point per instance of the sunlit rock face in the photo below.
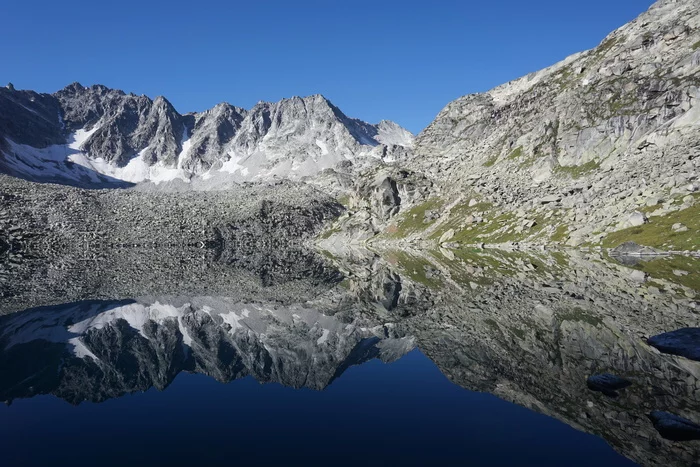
(605, 140)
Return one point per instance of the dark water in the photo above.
(405, 412)
(396, 360)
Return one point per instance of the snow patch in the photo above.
(233, 165)
(323, 146)
(137, 170)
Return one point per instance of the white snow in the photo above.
(186, 144)
(323, 146)
(50, 161)
(46, 162)
(137, 170)
(233, 165)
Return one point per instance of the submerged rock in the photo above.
(607, 384)
(673, 427)
(683, 342)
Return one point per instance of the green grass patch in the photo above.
(458, 215)
(696, 46)
(581, 316)
(563, 78)
(483, 232)
(578, 171)
(650, 209)
(560, 258)
(491, 162)
(412, 220)
(516, 154)
(658, 233)
(663, 268)
(605, 47)
(560, 234)
(416, 268)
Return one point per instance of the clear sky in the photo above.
(401, 60)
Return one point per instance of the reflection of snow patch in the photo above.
(324, 337)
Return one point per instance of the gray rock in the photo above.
(632, 249)
(293, 138)
(550, 199)
(447, 236)
(636, 219)
(638, 276)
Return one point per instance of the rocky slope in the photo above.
(606, 140)
(98, 136)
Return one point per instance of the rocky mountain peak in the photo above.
(112, 135)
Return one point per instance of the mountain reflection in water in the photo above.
(380, 350)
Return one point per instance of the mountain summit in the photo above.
(97, 135)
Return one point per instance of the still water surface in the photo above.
(404, 412)
(390, 360)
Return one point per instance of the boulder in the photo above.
(636, 219)
(638, 276)
(632, 249)
(550, 199)
(447, 236)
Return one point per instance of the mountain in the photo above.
(100, 136)
(606, 140)
(599, 149)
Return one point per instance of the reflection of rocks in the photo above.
(286, 275)
(628, 249)
(531, 329)
(71, 244)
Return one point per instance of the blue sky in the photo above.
(382, 59)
